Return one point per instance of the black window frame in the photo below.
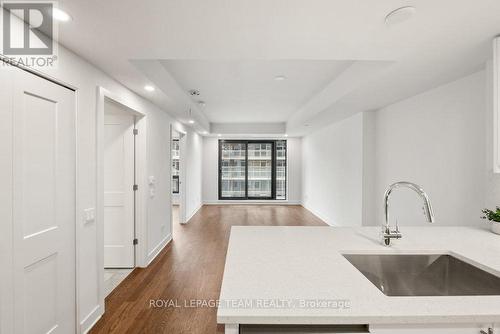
(286, 169)
(175, 184)
(273, 169)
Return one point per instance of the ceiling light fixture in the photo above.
(194, 92)
(202, 103)
(286, 135)
(205, 132)
(60, 15)
(149, 88)
(279, 78)
(219, 135)
(190, 117)
(400, 15)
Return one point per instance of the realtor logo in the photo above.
(28, 34)
(27, 28)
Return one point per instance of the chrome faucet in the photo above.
(389, 234)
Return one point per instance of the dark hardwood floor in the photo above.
(189, 268)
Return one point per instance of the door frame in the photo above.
(141, 181)
(182, 176)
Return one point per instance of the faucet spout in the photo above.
(429, 213)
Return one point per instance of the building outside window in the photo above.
(252, 169)
(175, 166)
(232, 165)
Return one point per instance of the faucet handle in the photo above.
(396, 234)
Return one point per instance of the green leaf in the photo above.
(492, 215)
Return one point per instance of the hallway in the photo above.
(189, 268)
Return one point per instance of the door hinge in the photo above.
(135, 187)
(136, 132)
(135, 241)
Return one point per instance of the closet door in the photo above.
(41, 226)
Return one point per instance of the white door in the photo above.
(40, 274)
(118, 191)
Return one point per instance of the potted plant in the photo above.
(494, 218)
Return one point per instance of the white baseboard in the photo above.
(316, 214)
(154, 253)
(250, 202)
(90, 320)
(193, 213)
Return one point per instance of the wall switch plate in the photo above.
(89, 215)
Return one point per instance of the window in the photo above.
(252, 169)
(232, 170)
(281, 169)
(175, 166)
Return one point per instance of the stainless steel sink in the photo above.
(424, 275)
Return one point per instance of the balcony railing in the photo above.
(259, 174)
(233, 154)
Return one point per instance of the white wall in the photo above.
(193, 170)
(294, 171)
(191, 161)
(435, 139)
(439, 139)
(492, 180)
(158, 165)
(78, 73)
(210, 172)
(332, 172)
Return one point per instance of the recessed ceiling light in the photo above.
(400, 15)
(149, 88)
(286, 135)
(219, 135)
(279, 78)
(194, 92)
(202, 103)
(205, 132)
(60, 15)
(191, 121)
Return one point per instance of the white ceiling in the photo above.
(245, 91)
(128, 39)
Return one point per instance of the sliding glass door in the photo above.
(232, 170)
(248, 169)
(260, 170)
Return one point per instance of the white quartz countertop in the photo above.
(271, 272)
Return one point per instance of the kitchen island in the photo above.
(299, 276)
